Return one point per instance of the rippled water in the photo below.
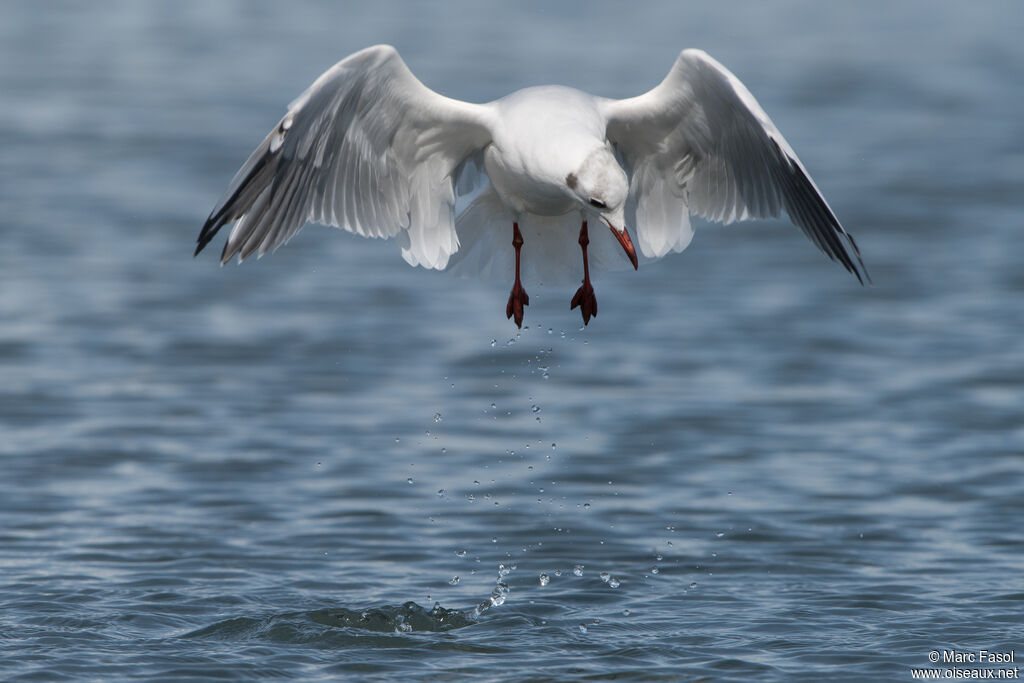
(328, 464)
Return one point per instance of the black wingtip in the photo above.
(863, 276)
(206, 235)
(812, 213)
(863, 270)
(227, 211)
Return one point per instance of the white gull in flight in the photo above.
(370, 149)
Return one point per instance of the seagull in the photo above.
(369, 148)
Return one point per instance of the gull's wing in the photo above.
(367, 148)
(700, 143)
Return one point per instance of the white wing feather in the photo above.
(367, 148)
(700, 143)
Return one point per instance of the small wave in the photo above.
(407, 618)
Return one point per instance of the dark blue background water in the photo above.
(253, 471)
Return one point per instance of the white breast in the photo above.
(543, 136)
(524, 191)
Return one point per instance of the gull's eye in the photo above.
(598, 204)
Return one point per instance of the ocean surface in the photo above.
(327, 465)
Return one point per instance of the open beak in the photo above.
(627, 244)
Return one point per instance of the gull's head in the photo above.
(600, 186)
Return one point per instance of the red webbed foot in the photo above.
(516, 300)
(585, 299)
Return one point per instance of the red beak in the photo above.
(627, 245)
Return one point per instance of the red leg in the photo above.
(518, 298)
(584, 297)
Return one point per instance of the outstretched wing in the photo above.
(700, 143)
(367, 148)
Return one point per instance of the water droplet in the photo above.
(625, 612)
(545, 579)
(605, 576)
(554, 446)
(437, 417)
(614, 582)
(577, 570)
(558, 572)
(494, 342)
(535, 408)
(586, 506)
(659, 557)
(454, 580)
(398, 440)
(693, 584)
(460, 553)
(720, 534)
(441, 493)
(550, 331)
(494, 539)
(499, 594)
(319, 465)
(655, 570)
(583, 628)
(444, 449)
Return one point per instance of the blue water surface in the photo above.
(326, 464)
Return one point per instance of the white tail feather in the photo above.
(550, 252)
